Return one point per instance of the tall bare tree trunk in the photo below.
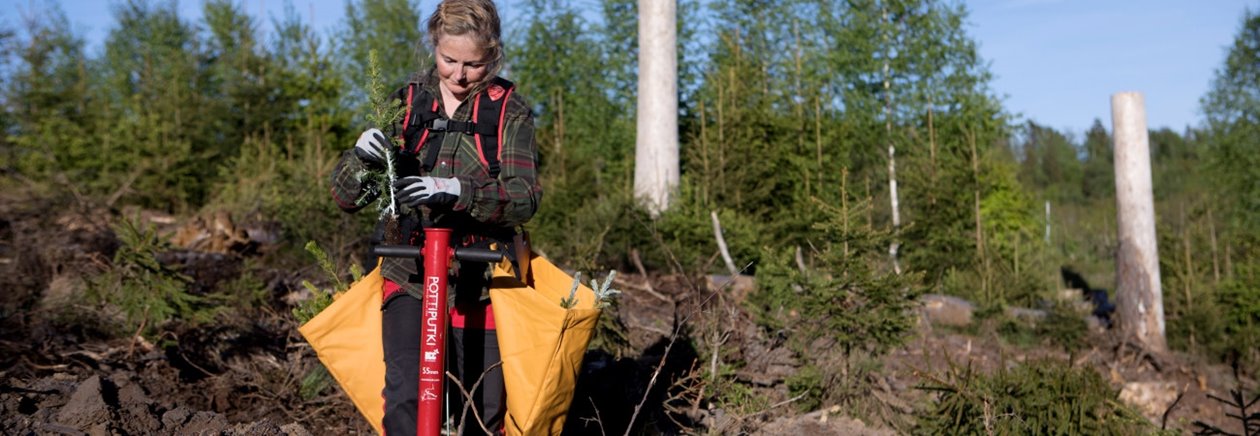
(1187, 259)
(1139, 298)
(844, 210)
(892, 150)
(1047, 222)
(975, 175)
(1216, 263)
(656, 143)
(818, 154)
(799, 95)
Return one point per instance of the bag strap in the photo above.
(513, 243)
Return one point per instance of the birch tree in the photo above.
(656, 170)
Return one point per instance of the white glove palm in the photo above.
(371, 147)
(416, 190)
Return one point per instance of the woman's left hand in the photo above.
(417, 190)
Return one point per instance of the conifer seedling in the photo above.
(385, 112)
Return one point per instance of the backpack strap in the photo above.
(423, 124)
(489, 110)
(422, 110)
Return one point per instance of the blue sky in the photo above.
(1058, 61)
(1055, 61)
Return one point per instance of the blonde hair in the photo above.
(478, 19)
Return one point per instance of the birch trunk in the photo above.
(1139, 298)
(656, 170)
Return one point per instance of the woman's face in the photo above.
(461, 64)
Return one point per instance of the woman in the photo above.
(451, 175)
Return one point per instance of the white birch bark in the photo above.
(1139, 298)
(656, 171)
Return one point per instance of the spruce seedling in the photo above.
(385, 112)
(320, 298)
(604, 292)
(568, 303)
(149, 293)
(1238, 400)
(322, 258)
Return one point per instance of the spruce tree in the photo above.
(161, 135)
(567, 68)
(1232, 109)
(392, 27)
(1098, 178)
(47, 101)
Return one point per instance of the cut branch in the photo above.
(726, 254)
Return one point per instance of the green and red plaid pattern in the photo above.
(486, 206)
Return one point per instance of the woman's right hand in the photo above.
(371, 147)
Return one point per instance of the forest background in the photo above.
(788, 112)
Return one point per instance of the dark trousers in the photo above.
(468, 352)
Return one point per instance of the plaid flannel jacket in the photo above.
(486, 206)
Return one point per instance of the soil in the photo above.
(63, 371)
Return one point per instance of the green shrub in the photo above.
(1224, 325)
(1063, 326)
(850, 296)
(740, 398)
(1240, 300)
(1195, 328)
(589, 233)
(845, 294)
(290, 187)
(247, 290)
(1037, 397)
(1017, 332)
(148, 293)
(315, 382)
(321, 298)
(687, 229)
(807, 383)
(599, 232)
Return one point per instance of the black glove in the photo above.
(371, 147)
(416, 190)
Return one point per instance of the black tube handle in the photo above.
(461, 253)
(478, 254)
(404, 251)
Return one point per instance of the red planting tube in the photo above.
(437, 254)
(437, 259)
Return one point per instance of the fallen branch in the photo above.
(649, 328)
(689, 391)
(122, 190)
(1163, 422)
(656, 373)
(647, 283)
(665, 355)
(785, 402)
(726, 254)
(674, 263)
(468, 400)
(597, 419)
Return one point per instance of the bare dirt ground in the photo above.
(61, 372)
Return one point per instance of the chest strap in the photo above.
(424, 126)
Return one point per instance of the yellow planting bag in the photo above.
(347, 337)
(541, 343)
